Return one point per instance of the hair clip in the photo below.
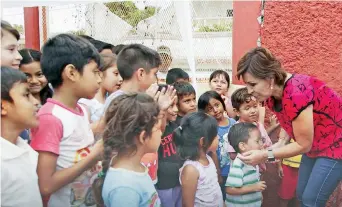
(101, 174)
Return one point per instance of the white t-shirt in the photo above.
(19, 180)
(66, 133)
(110, 98)
(95, 107)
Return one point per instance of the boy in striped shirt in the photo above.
(243, 185)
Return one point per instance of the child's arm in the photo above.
(189, 179)
(280, 169)
(262, 112)
(213, 156)
(51, 180)
(273, 124)
(259, 186)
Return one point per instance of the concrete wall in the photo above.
(307, 37)
(208, 9)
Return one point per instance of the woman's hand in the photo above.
(254, 157)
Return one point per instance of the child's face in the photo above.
(10, 56)
(219, 84)
(254, 142)
(187, 104)
(112, 80)
(215, 109)
(147, 78)
(172, 111)
(185, 80)
(106, 52)
(23, 110)
(35, 77)
(89, 81)
(249, 111)
(154, 140)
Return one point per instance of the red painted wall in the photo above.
(32, 38)
(245, 30)
(307, 37)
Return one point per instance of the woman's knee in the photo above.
(323, 180)
(309, 199)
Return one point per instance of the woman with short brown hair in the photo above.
(310, 112)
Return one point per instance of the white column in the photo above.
(184, 18)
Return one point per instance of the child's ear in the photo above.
(242, 146)
(140, 73)
(236, 111)
(4, 108)
(142, 137)
(201, 142)
(71, 73)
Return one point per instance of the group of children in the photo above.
(103, 133)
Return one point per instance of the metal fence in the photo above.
(154, 24)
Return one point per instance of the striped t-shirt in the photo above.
(241, 174)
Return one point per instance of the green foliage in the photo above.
(129, 12)
(19, 27)
(78, 32)
(221, 27)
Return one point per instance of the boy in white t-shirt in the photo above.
(18, 159)
(64, 138)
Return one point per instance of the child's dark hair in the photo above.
(29, 56)
(87, 37)
(8, 27)
(219, 73)
(174, 74)
(193, 127)
(204, 99)
(239, 97)
(184, 89)
(100, 45)
(117, 49)
(108, 60)
(126, 117)
(135, 56)
(9, 77)
(65, 49)
(240, 133)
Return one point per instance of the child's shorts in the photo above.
(287, 189)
